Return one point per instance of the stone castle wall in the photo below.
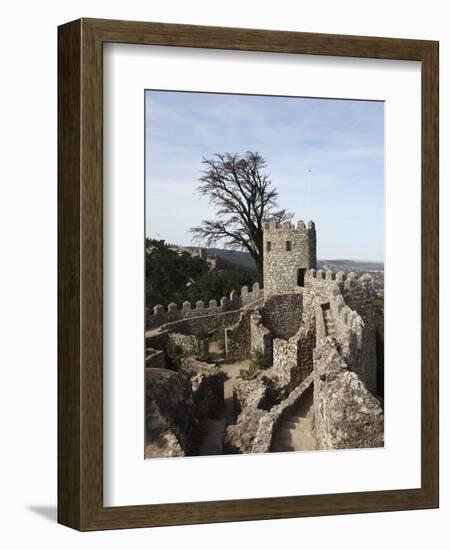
(351, 302)
(247, 335)
(237, 338)
(278, 310)
(293, 358)
(359, 294)
(160, 315)
(185, 342)
(261, 339)
(286, 250)
(207, 383)
(282, 314)
(207, 323)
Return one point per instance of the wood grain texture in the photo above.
(80, 242)
(69, 247)
(430, 273)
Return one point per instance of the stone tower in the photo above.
(289, 252)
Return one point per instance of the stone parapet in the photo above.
(346, 414)
(160, 315)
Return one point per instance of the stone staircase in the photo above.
(295, 431)
(330, 328)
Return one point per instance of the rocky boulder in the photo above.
(169, 413)
(207, 387)
(253, 398)
(347, 415)
(239, 437)
(259, 393)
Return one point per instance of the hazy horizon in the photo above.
(324, 155)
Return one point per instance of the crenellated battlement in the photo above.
(348, 280)
(285, 227)
(160, 315)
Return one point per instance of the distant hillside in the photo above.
(242, 259)
(350, 265)
(245, 260)
(173, 275)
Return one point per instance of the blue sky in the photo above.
(325, 157)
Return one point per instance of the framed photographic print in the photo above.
(248, 274)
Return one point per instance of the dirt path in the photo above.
(214, 429)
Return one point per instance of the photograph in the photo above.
(263, 332)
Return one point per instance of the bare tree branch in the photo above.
(244, 199)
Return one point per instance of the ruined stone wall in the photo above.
(346, 414)
(169, 417)
(237, 338)
(260, 337)
(293, 358)
(286, 250)
(205, 322)
(251, 297)
(207, 387)
(351, 304)
(359, 294)
(187, 343)
(347, 328)
(282, 314)
(253, 398)
(160, 316)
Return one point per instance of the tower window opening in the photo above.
(301, 277)
(288, 246)
(268, 246)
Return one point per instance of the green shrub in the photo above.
(257, 364)
(175, 354)
(219, 337)
(248, 374)
(197, 341)
(258, 360)
(201, 333)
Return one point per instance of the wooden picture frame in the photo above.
(80, 272)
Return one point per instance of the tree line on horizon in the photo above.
(174, 276)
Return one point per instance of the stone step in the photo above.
(295, 419)
(287, 434)
(283, 448)
(281, 443)
(295, 431)
(290, 419)
(288, 426)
